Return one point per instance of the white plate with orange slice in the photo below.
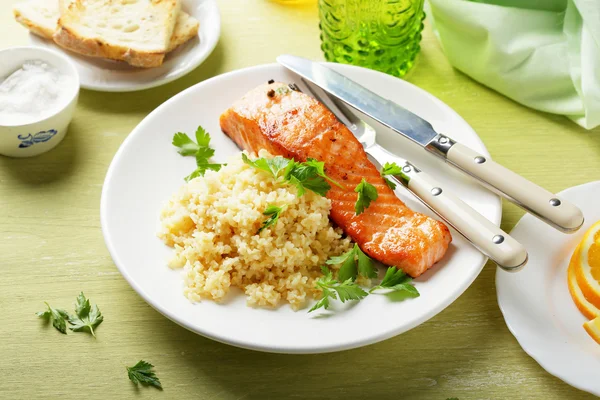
(552, 306)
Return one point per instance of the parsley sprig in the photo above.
(319, 167)
(58, 317)
(390, 169)
(273, 212)
(354, 262)
(86, 317)
(397, 281)
(143, 373)
(200, 149)
(366, 194)
(333, 289)
(309, 175)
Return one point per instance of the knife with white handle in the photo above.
(545, 205)
(488, 238)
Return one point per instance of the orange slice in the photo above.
(593, 328)
(587, 266)
(588, 309)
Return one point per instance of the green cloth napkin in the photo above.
(544, 54)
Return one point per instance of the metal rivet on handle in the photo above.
(498, 239)
(479, 159)
(436, 191)
(406, 168)
(443, 140)
(554, 202)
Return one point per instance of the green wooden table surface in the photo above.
(51, 248)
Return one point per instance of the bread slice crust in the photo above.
(71, 35)
(98, 48)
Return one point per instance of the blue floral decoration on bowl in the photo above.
(40, 137)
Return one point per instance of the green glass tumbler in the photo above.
(379, 34)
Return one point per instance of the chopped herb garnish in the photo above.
(305, 176)
(354, 262)
(366, 194)
(282, 90)
(397, 281)
(57, 316)
(142, 373)
(365, 264)
(332, 289)
(201, 168)
(273, 212)
(390, 169)
(187, 147)
(391, 184)
(320, 168)
(200, 150)
(86, 317)
(277, 167)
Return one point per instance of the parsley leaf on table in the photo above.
(199, 149)
(366, 194)
(332, 289)
(86, 317)
(142, 373)
(274, 212)
(397, 280)
(57, 316)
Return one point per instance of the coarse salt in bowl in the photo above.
(39, 89)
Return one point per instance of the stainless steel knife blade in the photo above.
(380, 109)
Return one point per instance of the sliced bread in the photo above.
(41, 18)
(186, 28)
(135, 31)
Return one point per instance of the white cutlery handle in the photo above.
(492, 241)
(538, 201)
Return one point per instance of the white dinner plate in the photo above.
(147, 170)
(536, 303)
(113, 76)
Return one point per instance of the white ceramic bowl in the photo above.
(40, 134)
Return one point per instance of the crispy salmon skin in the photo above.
(294, 125)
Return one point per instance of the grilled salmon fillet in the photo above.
(294, 125)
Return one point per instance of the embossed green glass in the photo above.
(378, 34)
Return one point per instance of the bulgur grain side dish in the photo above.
(213, 223)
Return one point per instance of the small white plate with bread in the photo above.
(128, 45)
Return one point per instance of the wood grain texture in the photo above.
(51, 248)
